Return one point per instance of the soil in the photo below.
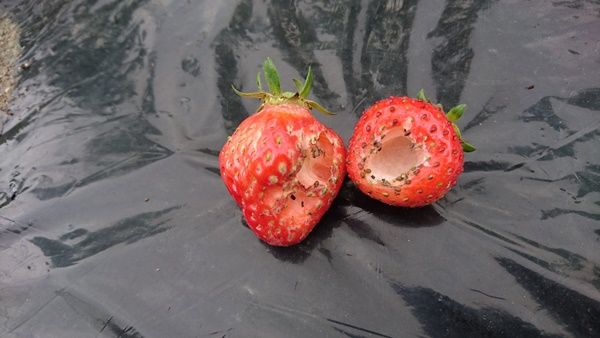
(10, 51)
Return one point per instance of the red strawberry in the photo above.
(406, 152)
(282, 166)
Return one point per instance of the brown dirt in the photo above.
(10, 50)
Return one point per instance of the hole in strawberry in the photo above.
(313, 178)
(316, 168)
(398, 154)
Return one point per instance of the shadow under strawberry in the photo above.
(300, 252)
(425, 216)
(341, 213)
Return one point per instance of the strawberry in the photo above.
(281, 165)
(406, 152)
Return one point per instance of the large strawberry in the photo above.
(282, 166)
(406, 151)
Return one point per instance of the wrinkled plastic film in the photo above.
(114, 220)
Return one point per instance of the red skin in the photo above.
(270, 165)
(428, 130)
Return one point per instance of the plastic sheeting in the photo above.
(114, 220)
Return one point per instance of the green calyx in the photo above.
(275, 96)
(452, 115)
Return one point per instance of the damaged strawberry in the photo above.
(407, 152)
(282, 166)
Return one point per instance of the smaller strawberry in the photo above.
(282, 166)
(407, 152)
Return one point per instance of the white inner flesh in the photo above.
(317, 168)
(396, 157)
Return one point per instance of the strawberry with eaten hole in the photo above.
(407, 152)
(282, 166)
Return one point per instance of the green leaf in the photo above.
(457, 131)
(421, 95)
(298, 85)
(456, 112)
(467, 148)
(256, 95)
(258, 82)
(307, 84)
(272, 77)
(312, 104)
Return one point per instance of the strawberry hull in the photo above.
(284, 169)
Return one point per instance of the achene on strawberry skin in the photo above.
(407, 152)
(281, 165)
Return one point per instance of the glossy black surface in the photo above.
(114, 220)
